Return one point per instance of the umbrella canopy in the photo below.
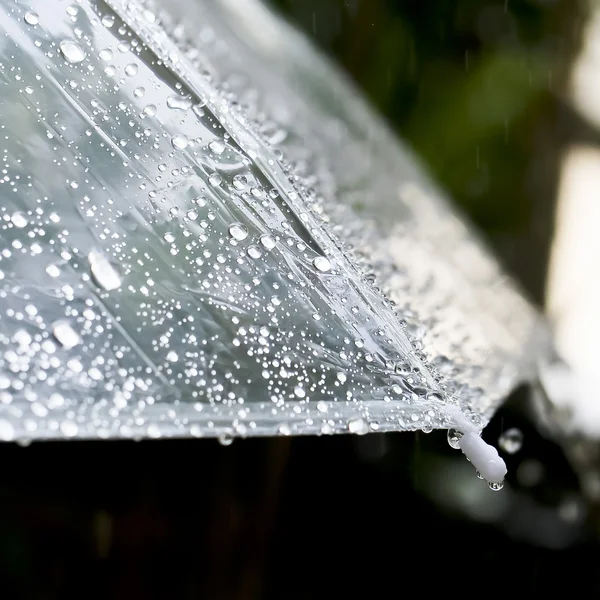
(204, 231)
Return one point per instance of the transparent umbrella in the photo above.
(205, 231)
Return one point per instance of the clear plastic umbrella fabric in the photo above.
(204, 231)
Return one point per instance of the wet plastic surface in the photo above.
(193, 238)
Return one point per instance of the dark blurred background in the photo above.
(477, 88)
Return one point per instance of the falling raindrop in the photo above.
(72, 51)
(511, 440)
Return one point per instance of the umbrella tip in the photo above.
(485, 458)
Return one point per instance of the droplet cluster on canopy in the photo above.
(194, 231)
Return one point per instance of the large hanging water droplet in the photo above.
(238, 231)
(511, 440)
(104, 273)
(72, 51)
(454, 438)
(495, 486)
(225, 439)
(69, 428)
(7, 431)
(358, 426)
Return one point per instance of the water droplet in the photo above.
(31, 18)
(179, 102)
(7, 431)
(104, 273)
(299, 392)
(149, 110)
(254, 251)
(238, 231)
(215, 179)
(19, 220)
(322, 264)
(225, 439)
(511, 440)
(108, 20)
(285, 429)
(358, 427)
(105, 54)
(495, 486)
(69, 428)
(72, 51)
(240, 182)
(267, 241)
(66, 336)
(131, 70)
(180, 141)
(217, 147)
(453, 437)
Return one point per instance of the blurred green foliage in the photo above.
(472, 85)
